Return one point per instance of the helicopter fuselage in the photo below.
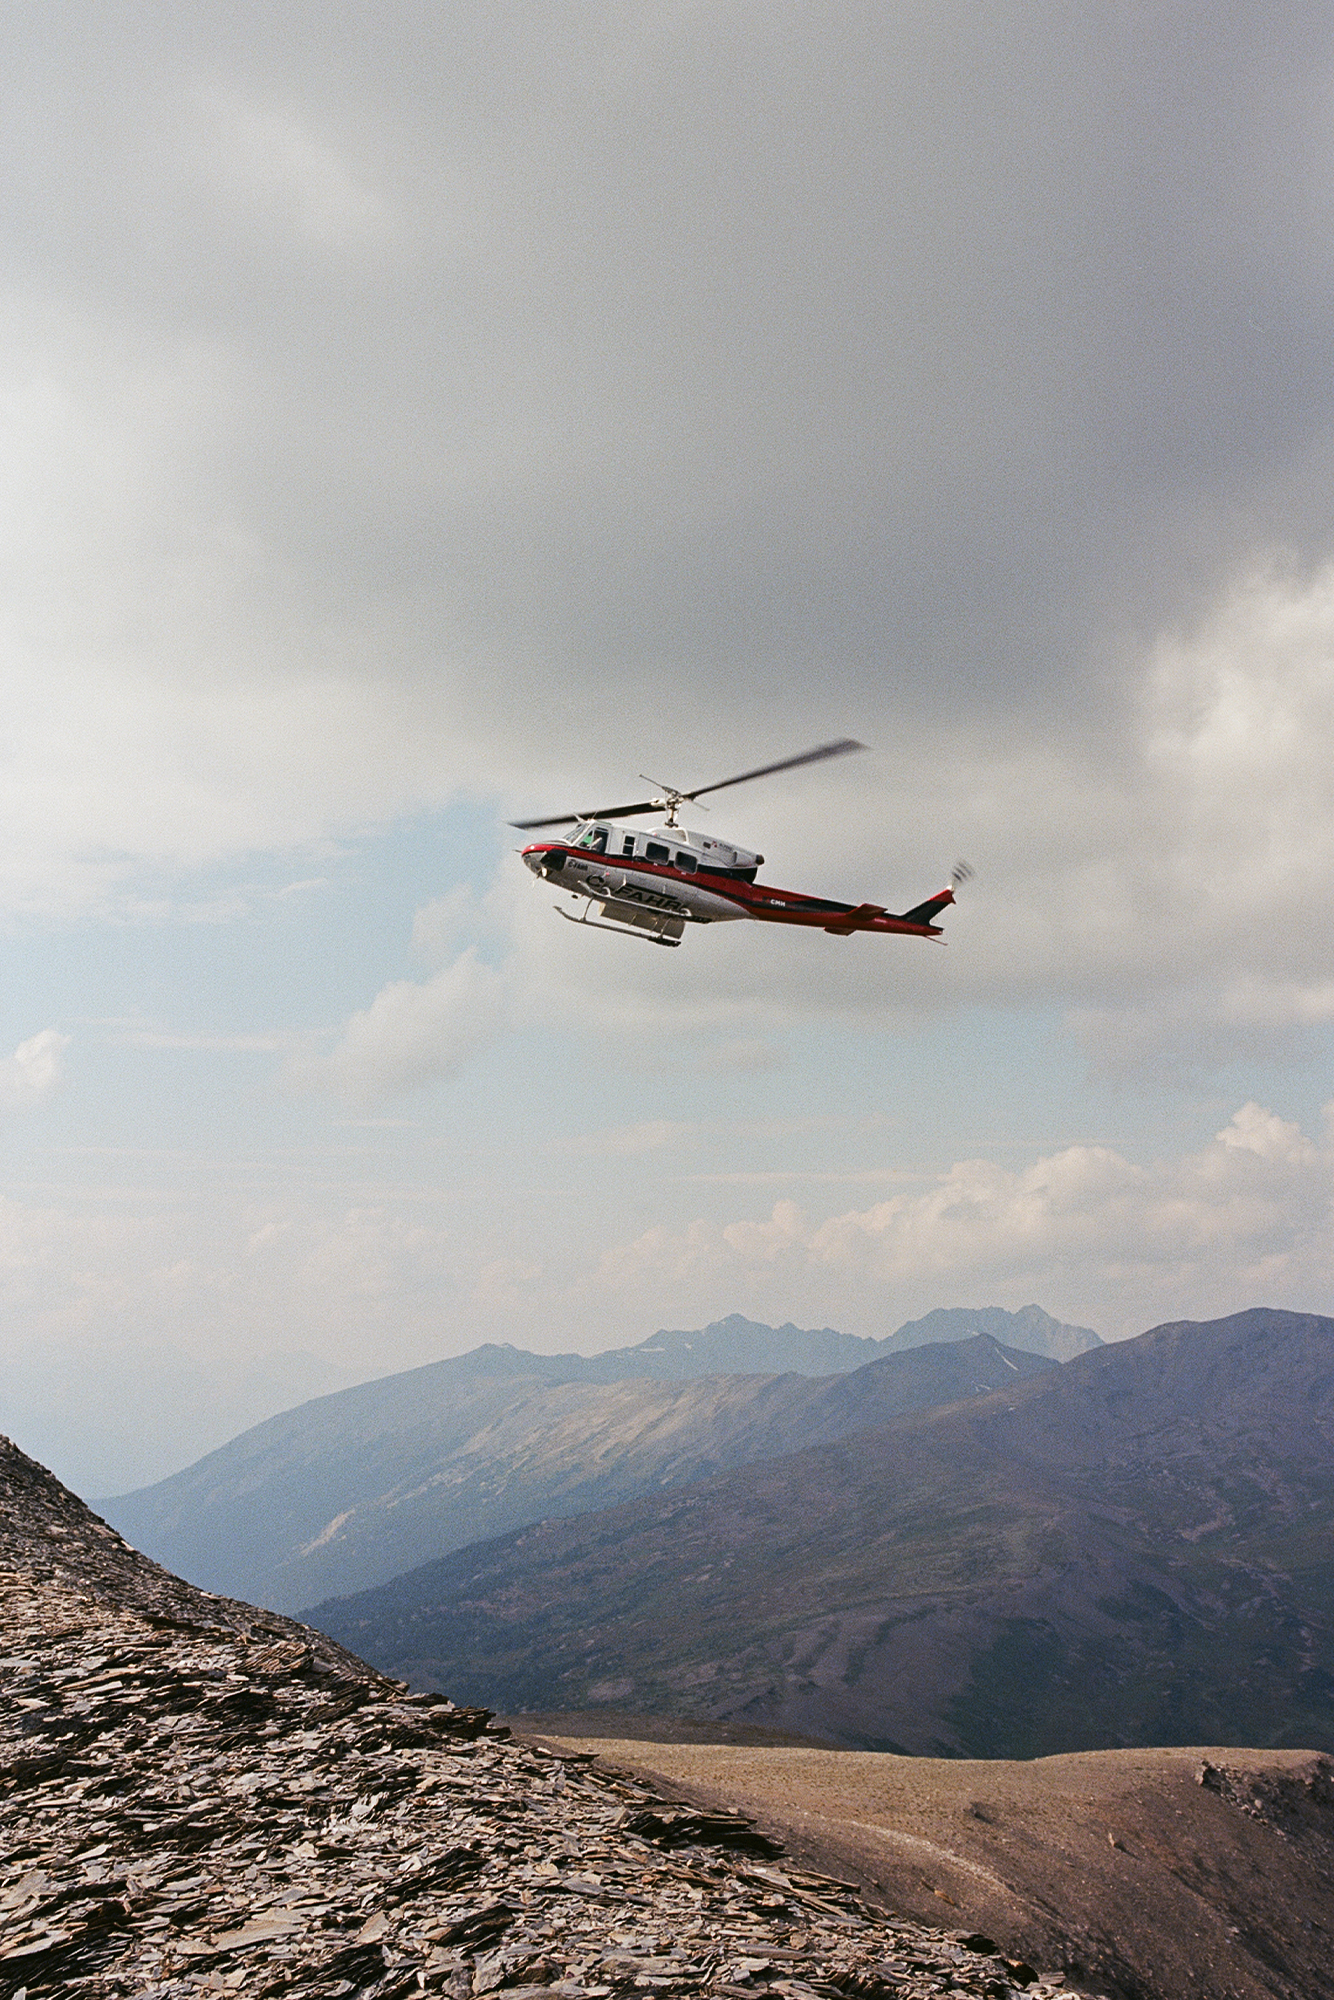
(653, 884)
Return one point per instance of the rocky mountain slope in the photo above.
(1135, 1548)
(355, 1488)
(196, 1797)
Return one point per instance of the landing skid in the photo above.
(621, 930)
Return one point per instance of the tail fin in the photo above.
(927, 912)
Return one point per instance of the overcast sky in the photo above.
(425, 415)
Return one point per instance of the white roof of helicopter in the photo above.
(676, 836)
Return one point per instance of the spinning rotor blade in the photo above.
(823, 750)
(670, 799)
(603, 812)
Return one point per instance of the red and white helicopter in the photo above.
(651, 885)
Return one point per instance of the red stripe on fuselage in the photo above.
(755, 899)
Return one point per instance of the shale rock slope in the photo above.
(196, 1797)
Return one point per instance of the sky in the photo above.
(420, 417)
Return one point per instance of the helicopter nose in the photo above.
(544, 860)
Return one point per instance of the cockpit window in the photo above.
(598, 843)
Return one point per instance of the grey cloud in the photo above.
(898, 342)
(495, 397)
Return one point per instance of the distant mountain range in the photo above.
(354, 1488)
(737, 1346)
(1134, 1548)
(1030, 1328)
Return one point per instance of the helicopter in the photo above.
(651, 885)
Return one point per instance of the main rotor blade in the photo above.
(602, 812)
(816, 756)
(839, 749)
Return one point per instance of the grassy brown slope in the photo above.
(1144, 1882)
(1131, 1549)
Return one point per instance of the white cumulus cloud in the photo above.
(1246, 1219)
(34, 1070)
(411, 1034)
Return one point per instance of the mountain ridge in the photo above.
(355, 1488)
(733, 1345)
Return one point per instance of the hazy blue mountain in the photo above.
(1134, 1548)
(1030, 1328)
(738, 1346)
(353, 1488)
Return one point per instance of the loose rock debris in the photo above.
(197, 1797)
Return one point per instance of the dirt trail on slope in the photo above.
(1171, 1874)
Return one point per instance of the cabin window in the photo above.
(686, 861)
(655, 852)
(628, 844)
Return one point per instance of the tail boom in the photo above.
(917, 922)
(850, 919)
